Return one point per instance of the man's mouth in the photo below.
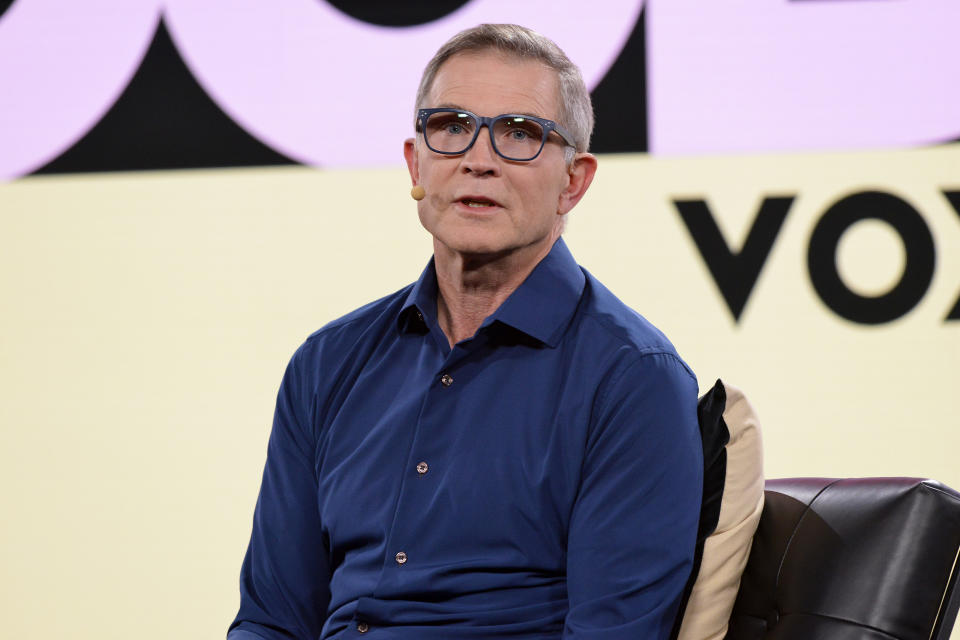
(478, 202)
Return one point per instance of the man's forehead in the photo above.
(490, 74)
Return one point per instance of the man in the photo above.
(502, 449)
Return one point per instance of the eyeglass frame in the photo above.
(488, 121)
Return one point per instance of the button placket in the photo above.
(400, 531)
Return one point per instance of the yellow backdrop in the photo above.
(147, 319)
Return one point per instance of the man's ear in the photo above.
(581, 172)
(413, 164)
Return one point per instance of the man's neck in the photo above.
(471, 288)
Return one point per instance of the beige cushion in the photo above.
(725, 551)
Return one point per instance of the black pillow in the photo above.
(714, 436)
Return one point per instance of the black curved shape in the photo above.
(917, 273)
(163, 120)
(620, 99)
(4, 5)
(942, 143)
(389, 13)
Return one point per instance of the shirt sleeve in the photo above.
(284, 580)
(634, 523)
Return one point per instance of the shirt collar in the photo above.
(419, 311)
(541, 306)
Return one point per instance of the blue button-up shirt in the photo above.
(539, 480)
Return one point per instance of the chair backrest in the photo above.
(854, 559)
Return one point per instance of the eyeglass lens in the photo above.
(515, 137)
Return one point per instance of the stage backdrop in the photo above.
(778, 191)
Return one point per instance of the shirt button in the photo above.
(422, 468)
(401, 557)
(363, 627)
(419, 316)
(446, 379)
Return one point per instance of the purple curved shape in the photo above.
(62, 66)
(294, 74)
(773, 75)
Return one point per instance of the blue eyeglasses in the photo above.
(513, 136)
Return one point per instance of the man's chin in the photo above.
(478, 249)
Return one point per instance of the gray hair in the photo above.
(576, 110)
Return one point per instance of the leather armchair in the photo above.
(853, 559)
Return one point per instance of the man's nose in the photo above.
(481, 158)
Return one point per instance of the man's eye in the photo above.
(454, 128)
(518, 134)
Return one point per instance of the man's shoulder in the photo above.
(608, 318)
(376, 316)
